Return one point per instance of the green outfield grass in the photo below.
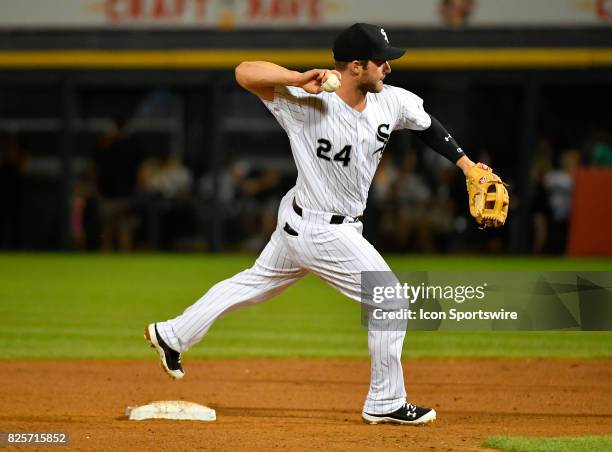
(95, 306)
(564, 443)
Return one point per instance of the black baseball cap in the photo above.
(364, 42)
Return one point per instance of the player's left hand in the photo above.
(487, 196)
(312, 80)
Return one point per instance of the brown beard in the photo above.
(369, 87)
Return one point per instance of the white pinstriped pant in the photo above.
(337, 254)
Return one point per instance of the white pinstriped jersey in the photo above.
(337, 151)
(337, 148)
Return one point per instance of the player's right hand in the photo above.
(311, 81)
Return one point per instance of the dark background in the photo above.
(199, 164)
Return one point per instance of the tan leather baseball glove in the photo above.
(487, 196)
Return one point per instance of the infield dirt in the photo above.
(304, 404)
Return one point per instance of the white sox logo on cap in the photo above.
(365, 42)
(382, 32)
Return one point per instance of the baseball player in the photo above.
(337, 139)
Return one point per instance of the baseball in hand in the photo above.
(331, 84)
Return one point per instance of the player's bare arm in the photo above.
(464, 163)
(260, 78)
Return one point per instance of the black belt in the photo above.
(335, 219)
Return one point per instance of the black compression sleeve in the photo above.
(438, 138)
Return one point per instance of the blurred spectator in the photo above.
(412, 194)
(384, 180)
(540, 213)
(602, 149)
(443, 215)
(248, 199)
(455, 13)
(86, 224)
(559, 185)
(117, 158)
(540, 209)
(229, 179)
(380, 217)
(166, 184)
(14, 162)
(263, 187)
(165, 176)
(447, 186)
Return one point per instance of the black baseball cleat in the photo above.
(170, 359)
(409, 414)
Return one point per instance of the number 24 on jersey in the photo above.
(325, 148)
